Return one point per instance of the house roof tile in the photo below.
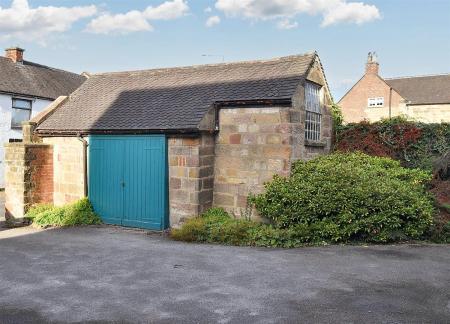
(420, 90)
(35, 80)
(173, 98)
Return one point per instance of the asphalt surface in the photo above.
(107, 274)
(2, 205)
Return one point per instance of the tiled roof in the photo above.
(173, 98)
(433, 89)
(31, 79)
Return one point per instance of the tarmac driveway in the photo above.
(106, 274)
(2, 205)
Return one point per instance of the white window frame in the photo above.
(375, 102)
(313, 107)
(14, 107)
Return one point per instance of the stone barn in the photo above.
(152, 148)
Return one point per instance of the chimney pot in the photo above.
(372, 66)
(15, 54)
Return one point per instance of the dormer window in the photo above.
(375, 102)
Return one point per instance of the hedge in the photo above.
(414, 144)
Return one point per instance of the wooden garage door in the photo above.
(128, 180)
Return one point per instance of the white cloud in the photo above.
(332, 11)
(287, 24)
(208, 9)
(135, 20)
(212, 21)
(356, 12)
(25, 23)
(167, 11)
(131, 21)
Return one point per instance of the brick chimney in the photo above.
(15, 54)
(372, 65)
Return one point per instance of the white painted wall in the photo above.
(6, 133)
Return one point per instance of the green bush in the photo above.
(343, 197)
(216, 226)
(77, 213)
(337, 116)
(445, 234)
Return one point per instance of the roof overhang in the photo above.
(16, 94)
(284, 102)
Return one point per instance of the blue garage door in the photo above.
(128, 180)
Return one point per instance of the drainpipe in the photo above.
(390, 100)
(85, 146)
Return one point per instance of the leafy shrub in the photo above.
(342, 197)
(439, 232)
(77, 213)
(337, 115)
(217, 226)
(214, 226)
(445, 234)
(414, 144)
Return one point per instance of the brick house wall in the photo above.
(354, 104)
(355, 108)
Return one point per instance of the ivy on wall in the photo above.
(414, 144)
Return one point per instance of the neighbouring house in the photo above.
(152, 148)
(421, 98)
(26, 89)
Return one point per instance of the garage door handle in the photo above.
(122, 184)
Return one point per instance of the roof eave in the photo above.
(427, 103)
(74, 132)
(254, 102)
(17, 94)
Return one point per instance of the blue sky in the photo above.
(411, 37)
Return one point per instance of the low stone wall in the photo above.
(29, 177)
(68, 169)
(191, 176)
(429, 113)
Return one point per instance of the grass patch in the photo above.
(217, 226)
(77, 213)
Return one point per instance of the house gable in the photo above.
(354, 103)
(316, 74)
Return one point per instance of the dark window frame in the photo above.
(13, 107)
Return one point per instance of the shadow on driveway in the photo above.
(108, 274)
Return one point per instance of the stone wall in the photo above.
(68, 169)
(6, 132)
(255, 143)
(191, 176)
(29, 177)
(429, 113)
(252, 146)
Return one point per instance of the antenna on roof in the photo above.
(212, 55)
(372, 57)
